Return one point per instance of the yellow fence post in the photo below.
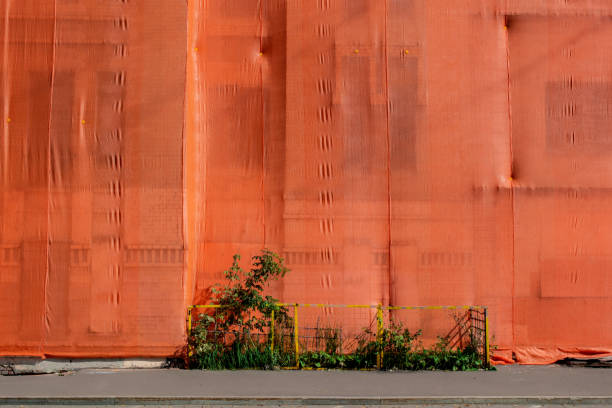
(379, 333)
(488, 355)
(272, 332)
(295, 333)
(189, 350)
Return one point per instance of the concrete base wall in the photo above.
(30, 365)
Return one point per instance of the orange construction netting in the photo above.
(407, 152)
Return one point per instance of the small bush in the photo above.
(401, 350)
(243, 303)
(236, 336)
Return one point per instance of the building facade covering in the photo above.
(404, 152)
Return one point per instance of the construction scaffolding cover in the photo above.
(404, 152)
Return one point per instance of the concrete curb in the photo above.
(269, 401)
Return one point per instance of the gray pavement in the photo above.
(335, 406)
(514, 385)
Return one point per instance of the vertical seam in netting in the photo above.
(204, 237)
(512, 198)
(5, 86)
(387, 103)
(188, 236)
(184, 195)
(263, 128)
(45, 317)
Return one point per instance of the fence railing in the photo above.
(313, 325)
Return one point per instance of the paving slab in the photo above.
(335, 406)
(514, 385)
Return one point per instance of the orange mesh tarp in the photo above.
(404, 152)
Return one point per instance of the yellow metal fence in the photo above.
(345, 322)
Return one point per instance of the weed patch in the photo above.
(249, 330)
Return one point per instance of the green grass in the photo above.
(239, 356)
(248, 355)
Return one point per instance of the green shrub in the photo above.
(236, 336)
(242, 300)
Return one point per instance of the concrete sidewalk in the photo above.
(508, 385)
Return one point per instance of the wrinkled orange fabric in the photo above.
(405, 152)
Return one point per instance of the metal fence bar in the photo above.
(272, 332)
(449, 307)
(379, 336)
(487, 349)
(189, 320)
(295, 333)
